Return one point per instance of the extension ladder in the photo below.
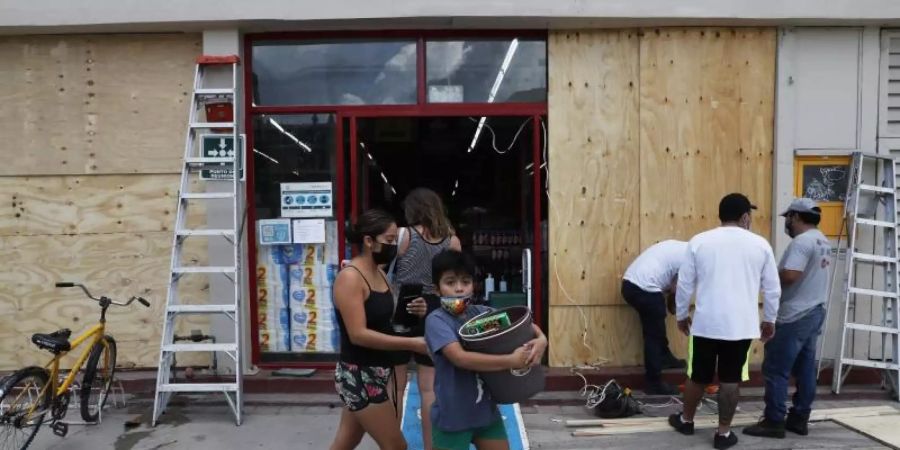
(871, 207)
(197, 159)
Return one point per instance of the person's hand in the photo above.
(538, 347)
(670, 303)
(766, 331)
(518, 359)
(685, 326)
(419, 346)
(417, 307)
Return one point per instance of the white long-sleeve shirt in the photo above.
(728, 267)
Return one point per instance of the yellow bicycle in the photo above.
(29, 394)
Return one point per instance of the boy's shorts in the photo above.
(462, 440)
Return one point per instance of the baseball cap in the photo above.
(734, 205)
(803, 205)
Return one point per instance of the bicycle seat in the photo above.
(56, 342)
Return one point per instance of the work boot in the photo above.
(797, 423)
(660, 388)
(766, 428)
(672, 362)
(722, 442)
(680, 425)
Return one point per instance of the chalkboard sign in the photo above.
(825, 183)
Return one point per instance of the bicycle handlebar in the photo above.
(69, 284)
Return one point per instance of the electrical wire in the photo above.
(494, 135)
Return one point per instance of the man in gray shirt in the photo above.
(804, 279)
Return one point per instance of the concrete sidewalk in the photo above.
(306, 421)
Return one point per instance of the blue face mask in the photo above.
(456, 305)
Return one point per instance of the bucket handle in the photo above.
(520, 372)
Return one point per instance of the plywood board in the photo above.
(593, 152)
(706, 121)
(117, 265)
(62, 204)
(90, 104)
(881, 428)
(613, 336)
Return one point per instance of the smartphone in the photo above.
(408, 293)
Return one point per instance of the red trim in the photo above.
(345, 35)
(421, 80)
(341, 206)
(537, 290)
(216, 59)
(251, 207)
(424, 110)
(354, 179)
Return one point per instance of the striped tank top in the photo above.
(414, 266)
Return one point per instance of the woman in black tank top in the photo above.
(364, 306)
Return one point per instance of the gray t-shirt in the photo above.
(461, 401)
(810, 253)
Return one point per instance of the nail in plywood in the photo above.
(117, 265)
(593, 207)
(64, 204)
(707, 129)
(91, 104)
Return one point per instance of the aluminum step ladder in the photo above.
(871, 208)
(198, 159)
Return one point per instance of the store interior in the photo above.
(483, 169)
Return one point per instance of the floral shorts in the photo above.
(360, 386)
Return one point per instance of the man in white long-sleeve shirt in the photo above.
(727, 267)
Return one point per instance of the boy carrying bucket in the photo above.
(464, 412)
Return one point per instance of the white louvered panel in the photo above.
(889, 126)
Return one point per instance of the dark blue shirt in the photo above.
(461, 400)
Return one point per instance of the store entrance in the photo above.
(483, 169)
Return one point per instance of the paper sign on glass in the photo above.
(309, 231)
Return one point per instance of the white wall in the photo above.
(16, 15)
(827, 104)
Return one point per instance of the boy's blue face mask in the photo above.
(456, 305)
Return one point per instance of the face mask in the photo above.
(455, 305)
(387, 253)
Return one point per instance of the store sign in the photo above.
(219, 146)
(307, 199)
(274, 231)
(445, 93)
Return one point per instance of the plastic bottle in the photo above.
(503, 285)
(488, 286)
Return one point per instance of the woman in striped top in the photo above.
(428, 233)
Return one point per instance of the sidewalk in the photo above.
(309, 421)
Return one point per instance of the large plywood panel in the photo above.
(93, 104)
(117, 265)
(62, 204)
(706, 108)
(593, 112)
(613, 337)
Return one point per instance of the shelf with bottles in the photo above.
(497, 238)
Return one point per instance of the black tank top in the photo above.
(379, 308)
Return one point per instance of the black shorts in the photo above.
(732, 358)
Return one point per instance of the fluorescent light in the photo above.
(530, 165)
(456, 185)
(289, 135)
(266, 156)
(507, 60)
(384, 177)
(370, 156)
(393, 190)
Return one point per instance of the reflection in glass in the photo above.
(486, 71)
(334, 73)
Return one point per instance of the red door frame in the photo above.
(352, 112)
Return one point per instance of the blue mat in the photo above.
(412, 421)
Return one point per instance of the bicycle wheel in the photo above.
(98, 378)
(23, 406)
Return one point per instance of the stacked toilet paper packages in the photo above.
(302, 319)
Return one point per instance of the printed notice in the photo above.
(306, 199)
(309, 231)
(274, 231)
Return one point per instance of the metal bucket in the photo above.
(507, 386)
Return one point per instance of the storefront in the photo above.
(340, 123)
